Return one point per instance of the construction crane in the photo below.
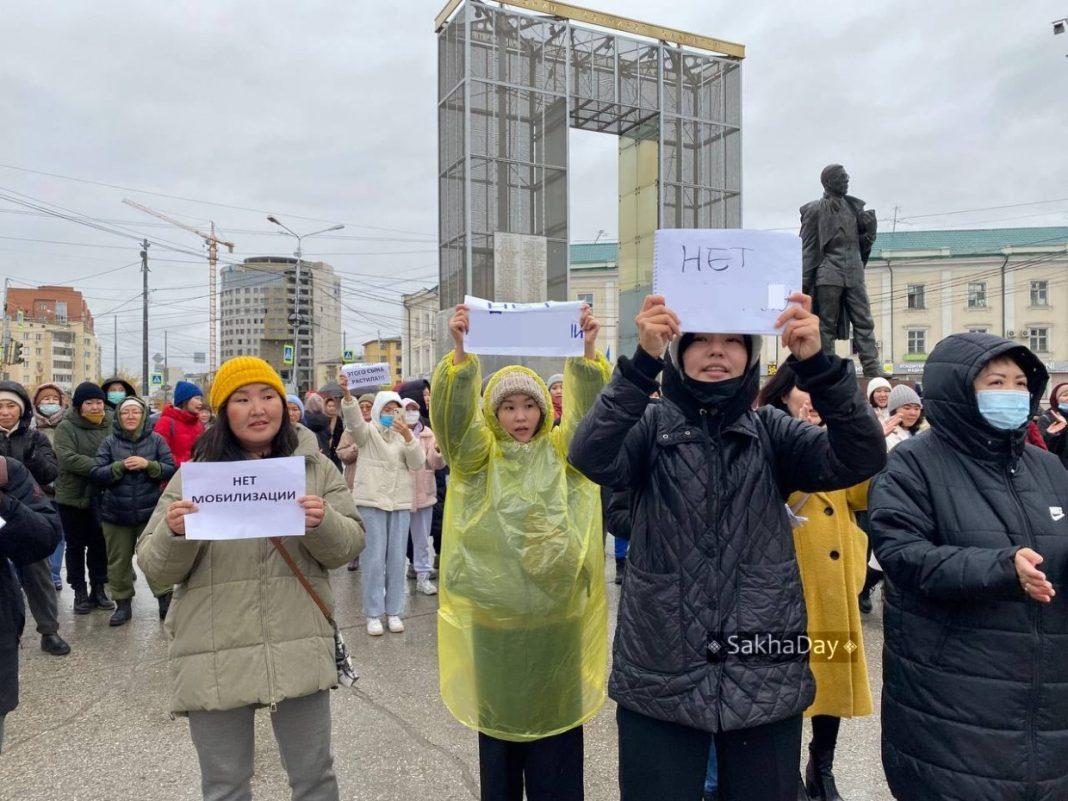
(213, 243)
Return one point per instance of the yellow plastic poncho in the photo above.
(522, 621)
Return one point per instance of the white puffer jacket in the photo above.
(382, 477)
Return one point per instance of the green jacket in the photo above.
(76, 443)
(243, 630)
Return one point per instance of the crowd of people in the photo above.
(751, 525)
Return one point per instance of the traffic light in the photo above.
(16, 352)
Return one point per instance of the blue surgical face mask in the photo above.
(115, 398)
(1063, 407)
(49, 409)
(1004, 409)
(386, 420)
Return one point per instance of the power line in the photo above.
(203, 202)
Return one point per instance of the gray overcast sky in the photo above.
(326, 111)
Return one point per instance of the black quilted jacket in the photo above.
(27, 444)
(130, 497)
(711, 551)
(975, 675)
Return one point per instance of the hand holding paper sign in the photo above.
(657, 326)
(176, 513)
(314, 510)
(801, 334)
(590, 327)
(459, 325)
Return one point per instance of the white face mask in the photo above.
(411, 417)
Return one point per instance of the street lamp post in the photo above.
(296, 319)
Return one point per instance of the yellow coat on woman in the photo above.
(832, 554)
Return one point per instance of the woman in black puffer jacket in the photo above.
(969, 524)
(132, 464)
(712, 572)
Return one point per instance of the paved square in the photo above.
(94, 725)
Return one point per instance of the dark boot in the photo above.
(82, 604)
(865, 602)
(54, 644)
(621, 569)
(819, 776)
(164, 604)
(802, 793)
(99, 599)
(123, 613)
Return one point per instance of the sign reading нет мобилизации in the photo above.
(243, 500)
(726, 280)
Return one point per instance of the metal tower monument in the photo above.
(512, 81)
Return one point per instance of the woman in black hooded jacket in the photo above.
(712, 573)
(132, 465)
(969, 523)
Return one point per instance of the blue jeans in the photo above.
(712, 776)
(56, 562)
(382, 561)
(56, 559)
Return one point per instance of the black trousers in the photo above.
(550, 768)
(660, 760)
(85, 545)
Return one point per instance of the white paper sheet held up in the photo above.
(243, 500)
(549, 328)
(726, 279)
(367, 375)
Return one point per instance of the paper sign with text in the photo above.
(726, 280)
(367, 375)
(243, 500)
(549, 328)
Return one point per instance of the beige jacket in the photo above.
(382, 477)
(348, 453)
(243, 630)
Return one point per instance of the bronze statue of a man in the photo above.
(836, 238)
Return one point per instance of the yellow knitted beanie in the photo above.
(239, 371)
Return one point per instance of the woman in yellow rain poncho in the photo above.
(522, 623)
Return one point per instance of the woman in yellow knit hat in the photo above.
(244, 632)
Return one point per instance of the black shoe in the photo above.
(621, 569)
(54, 644)
(819, 776)
(865, 603)
(99, 598)
(710, 795)
(82, 604)
(164, 604)
(122, 614)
